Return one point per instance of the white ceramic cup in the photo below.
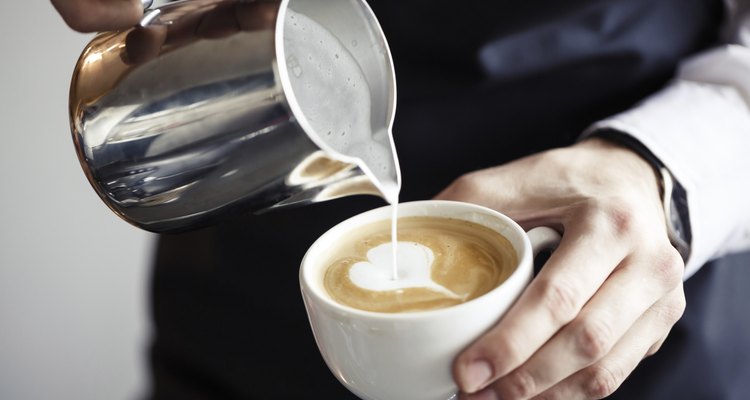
(408, 356)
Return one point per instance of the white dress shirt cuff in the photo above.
(699, 127)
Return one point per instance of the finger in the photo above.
(602, 378)
(99, 15)
(256, 16)
(585, 258)
(144, 44)
(218, 23)
(653, 349)
(182, 28)
(602, 322)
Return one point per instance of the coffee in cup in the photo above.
(441, 262)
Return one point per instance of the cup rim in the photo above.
(523, 266)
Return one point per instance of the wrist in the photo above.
(671, 193)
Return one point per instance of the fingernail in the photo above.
(476, 375)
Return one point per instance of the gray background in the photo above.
(73, 276)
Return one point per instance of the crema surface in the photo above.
(468, 260)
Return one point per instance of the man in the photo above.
(555, 113)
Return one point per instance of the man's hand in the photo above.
(99, 15)
(607, 297)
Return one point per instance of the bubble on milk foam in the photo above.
(334, 94)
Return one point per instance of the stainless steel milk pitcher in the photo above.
(190, 116)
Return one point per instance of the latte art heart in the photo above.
(414, 263)
(441, 262)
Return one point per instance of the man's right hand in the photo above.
(99, 15)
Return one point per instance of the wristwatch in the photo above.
(673, 194)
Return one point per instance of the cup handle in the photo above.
(543, 238)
